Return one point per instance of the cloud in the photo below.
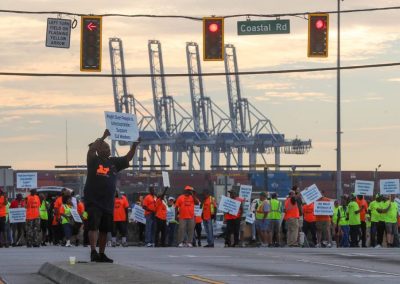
(23, 138)
(294, 96)
(7, 119)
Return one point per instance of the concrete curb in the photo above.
(98, 273)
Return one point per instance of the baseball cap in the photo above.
(171, 198)
(188, 187)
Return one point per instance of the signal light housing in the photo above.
(213, 39)
(318, 35)
(91, 29)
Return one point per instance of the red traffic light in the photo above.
(213, 27)
(320, 24)
(91, 26)
(213, 39)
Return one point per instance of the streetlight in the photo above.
(376, 175)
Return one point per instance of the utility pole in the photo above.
(339, 189)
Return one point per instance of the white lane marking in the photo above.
(349, 267)
(199, 256)
(291, 275)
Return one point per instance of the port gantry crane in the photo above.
(208, 129)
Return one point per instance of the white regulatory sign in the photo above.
(58, 33)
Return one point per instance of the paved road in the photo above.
(226, 265)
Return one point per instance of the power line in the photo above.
(285, 71)
(199, 18)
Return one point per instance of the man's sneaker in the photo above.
(181, 245)
(208, 246)
(104, 258)
(318, 246)
(329, 245)
(149, 245)
(189, 245)
(377, 246)
(94, 256)
(125, 244)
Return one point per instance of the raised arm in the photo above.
(93, 147)
(131, 153)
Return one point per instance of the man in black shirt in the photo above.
(100, 190)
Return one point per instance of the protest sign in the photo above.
(17, 215)
(76, 216)
(229, 205)
(311, 194)
(364, 187)
(122, 126)
(198, 210)
(138, 214)
(250, 218)
(170, 214)
(389, 186)
(27, 180)
(165, 177)
(245, 193)
(323, 208)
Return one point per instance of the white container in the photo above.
(72, 260)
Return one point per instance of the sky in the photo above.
(36, 111)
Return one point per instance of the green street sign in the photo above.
(263, 27)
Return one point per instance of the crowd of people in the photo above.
(176, 221)
(171, 221)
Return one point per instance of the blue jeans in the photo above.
(171, 234)
(208, 226)
(345, 237)
(149, 234)
(67, 230)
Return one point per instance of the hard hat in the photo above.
(188, 187)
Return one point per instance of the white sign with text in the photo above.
(364, 187)
(389, 186)
(165, 177)
(198, 211)
(138, 214)
(229, 205)
(245, 193)
(26, 180)
(75, 215)
(122, 126)
(311, 194)
(323, 208)
(17, 215)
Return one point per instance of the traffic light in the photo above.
(91, 43)
(213, 39)
(318, 30)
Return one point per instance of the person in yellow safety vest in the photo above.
(7, 228)
(66, 219)
(44, 217)
(274, 217)
(343, 221)
(209, 215)
(337, 232)
(85, 227)
(262, 224)
(390, 213)
(372, 211)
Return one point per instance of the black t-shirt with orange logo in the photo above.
(101, 181)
